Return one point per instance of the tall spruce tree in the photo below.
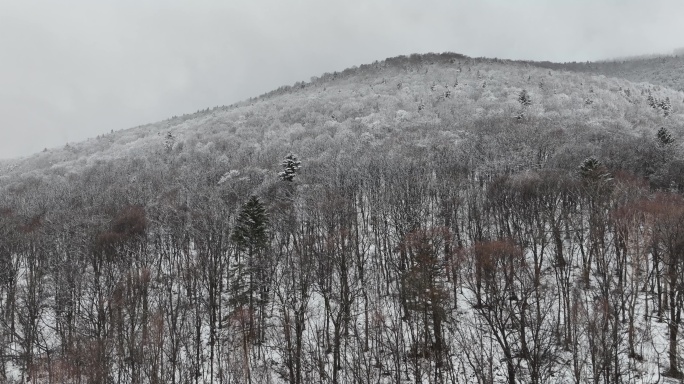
(250, 229)
(248, 271)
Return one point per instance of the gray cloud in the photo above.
(74, 69)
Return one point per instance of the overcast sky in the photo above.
(70, 70)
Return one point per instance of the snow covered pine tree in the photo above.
(291, 165)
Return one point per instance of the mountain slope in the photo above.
(453, 219)
(658, 70)
(386, 96)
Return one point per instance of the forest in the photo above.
(422, 219)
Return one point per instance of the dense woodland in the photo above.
(424, 219)
(663, 70)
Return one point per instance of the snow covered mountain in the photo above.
(440, 219)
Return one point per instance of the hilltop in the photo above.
(420, 96)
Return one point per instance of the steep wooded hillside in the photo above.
(431, 218)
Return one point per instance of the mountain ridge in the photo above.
(364, 74)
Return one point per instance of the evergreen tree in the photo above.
(250, 238)
(291, 165)
(250, 230)
(524, 98)
(592, 169)
(664, 137)
(666, 106)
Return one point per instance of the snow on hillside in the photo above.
(452, 220)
